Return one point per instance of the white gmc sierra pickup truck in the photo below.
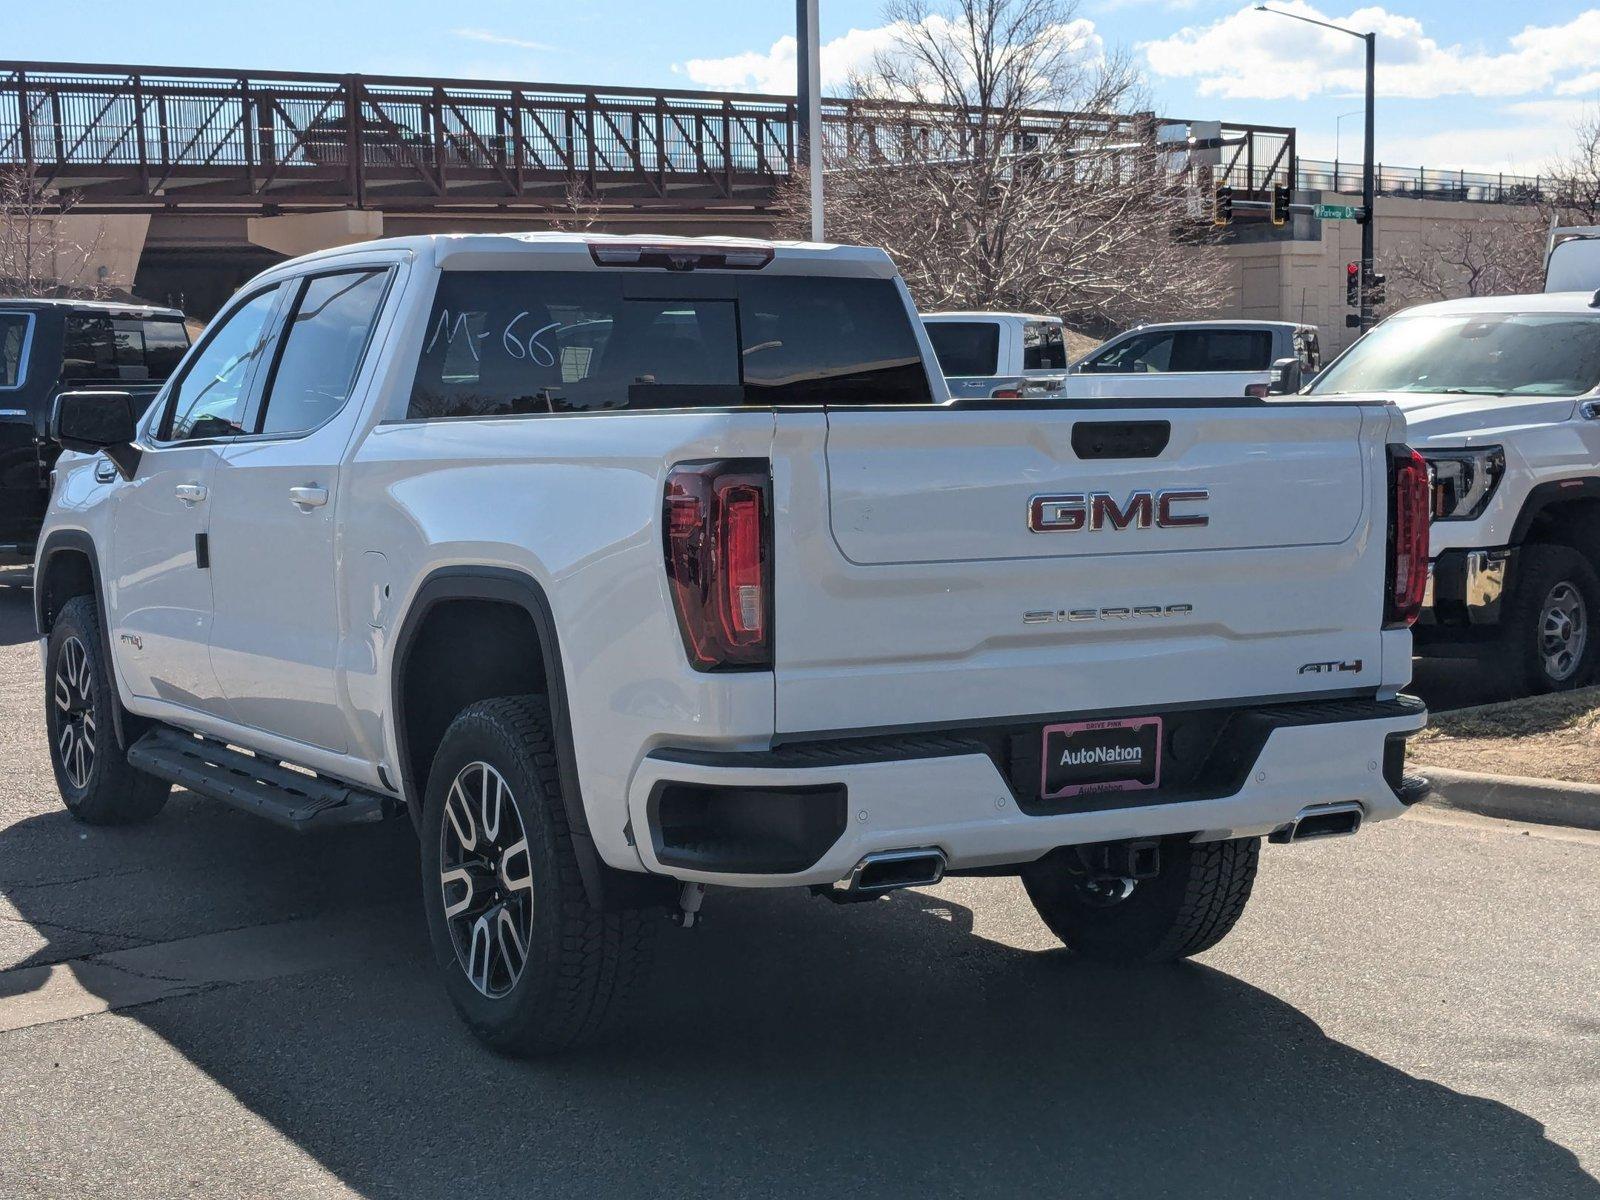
(1502, 398)
(630, 566)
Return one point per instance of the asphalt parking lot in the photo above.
(206, 1006)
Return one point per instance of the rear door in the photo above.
(967, 563)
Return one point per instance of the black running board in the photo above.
(254, 784)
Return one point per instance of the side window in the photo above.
(1145, 352)
(1307, 351)
(14, 330)
(323, 342)
(208, 401)
(106, 349)
(965, 348)
(1222, 350)
(1042, 347)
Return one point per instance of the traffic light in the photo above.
(1375, 284)
(1352, 284)
(1223, 214)
(1280, 204)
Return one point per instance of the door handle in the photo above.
(307, 498)
(190, 493)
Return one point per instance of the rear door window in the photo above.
(504, 342)
(965, 348)
(110, 349)
(1222, 350)
(323, 342)
(15, 331)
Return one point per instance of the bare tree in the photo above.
(1498, 254)
(1576, 177)
(999, 155)
(36, 258)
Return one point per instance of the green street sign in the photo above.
(1336, 212)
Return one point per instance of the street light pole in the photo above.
(1369, 191)
(808, 105)
(1368, 177)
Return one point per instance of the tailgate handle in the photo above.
(1120, 439)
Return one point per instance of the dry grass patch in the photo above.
(1543, 737)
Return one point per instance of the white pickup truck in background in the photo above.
(998, 354)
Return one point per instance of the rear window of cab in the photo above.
(501, 343)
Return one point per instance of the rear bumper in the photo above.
(956, 796)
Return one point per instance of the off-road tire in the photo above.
(1541, 568)
(582, 967)
(1189, 907)
(107, 791)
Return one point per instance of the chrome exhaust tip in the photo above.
(889, 870)
(1321, 821)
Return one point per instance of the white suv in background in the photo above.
(1200, 358)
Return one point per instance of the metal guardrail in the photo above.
(1423, 183)
(138, 137)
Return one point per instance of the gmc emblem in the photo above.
(1072, 511)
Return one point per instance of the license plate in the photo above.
(1101, 756)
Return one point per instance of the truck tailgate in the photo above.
(914, 585)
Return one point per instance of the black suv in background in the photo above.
(51, 346)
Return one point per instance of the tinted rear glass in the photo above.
(121, 350)
(965, 347)
(506, 342)
(1222, 350)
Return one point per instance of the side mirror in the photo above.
(1285, 377)
(95, 421)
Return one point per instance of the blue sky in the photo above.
(1472, 84)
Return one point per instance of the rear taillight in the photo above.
(1005, 394)
(1407, 576)
(717, 536)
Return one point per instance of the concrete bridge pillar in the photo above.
(300, 233)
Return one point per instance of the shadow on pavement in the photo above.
(790, 1048)
(16, 615)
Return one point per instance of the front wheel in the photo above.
(531, 967)
(92, 772)
(1190, 906)
(1548, 643)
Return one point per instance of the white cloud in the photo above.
(498, 39)
(774, 70)
(1251, 55)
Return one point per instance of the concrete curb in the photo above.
(1513, 798)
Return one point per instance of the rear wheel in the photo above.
(1548, 641)
(1190, 906)
(92, 772)
(530, 966)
